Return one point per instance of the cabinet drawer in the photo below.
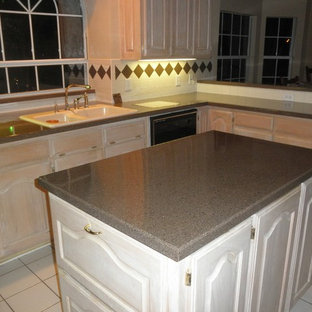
(126, 147)
(22, 153)
(73, 141)
(77, 298)
(125, 132)
(295, 131)
(123, 275)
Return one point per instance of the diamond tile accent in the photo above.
(195, 67)
(202, 67)
(178, 68)
(92, 71)
(101, 72)
(159, 70)
(149, 70)
(127, 71)
(109, 73)
(138, 71)
(187, 67)
(209, 66)
(117, 72)
(169, 69)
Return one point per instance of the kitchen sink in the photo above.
(66, 117)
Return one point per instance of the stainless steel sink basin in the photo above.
(66, 117)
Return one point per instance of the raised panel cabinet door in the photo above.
(130, 29)
(219, 274)
(182, 28)
(156, 30)
(303, 271)
(275, 232)
(23, 210)
(221, 120)
(202, 29)
(203, 119)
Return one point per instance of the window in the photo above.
(277, 50)
(233, 46)
(42, 45)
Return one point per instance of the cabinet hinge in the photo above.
(252, 233)
(188, 279)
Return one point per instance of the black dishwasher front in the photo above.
(173, 126)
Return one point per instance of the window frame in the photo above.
(6, 64)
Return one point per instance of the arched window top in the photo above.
(67, 7)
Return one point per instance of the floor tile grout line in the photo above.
(22, 264)
(58, 295)
(310, 303)
(5, 299)
(50, 306)
(9, 305)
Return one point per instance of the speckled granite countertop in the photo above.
(24, 130)
(178, 196)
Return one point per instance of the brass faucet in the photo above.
(85, 95)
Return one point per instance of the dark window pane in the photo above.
(1, 59)
(50, 77)
(245, 26)
(282, 68)
(236, 24)
(71, 37)
(271, 26)
(219, 45)
(235, 45)
(219, 70)
(227, 23)
(286, 25)
(220, 22)
(45, 37)
(69, 6)
(15, 29)
(11, 5)
(268, 81)
(22, 79)
(270, 46)
(235, 69)
(226, 70)
(33, 3)
(3, 81)
(269, 67)
(284, 46)
(46, 6)
(243, 68)
(226, 45)
(74, 74)
(244, 46)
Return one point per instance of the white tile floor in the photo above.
(29, 284)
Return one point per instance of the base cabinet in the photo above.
(249, 268)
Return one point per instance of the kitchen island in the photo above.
(180, 225)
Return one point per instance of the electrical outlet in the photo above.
(288, 97)
(178, 81)
(128, 85)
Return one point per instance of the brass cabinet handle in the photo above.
(87, 228)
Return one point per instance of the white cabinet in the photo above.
(113, 267)
(219, 273)
(75, 148)
(125, 137)
(275, 232)
(303, 269)
(23, 213)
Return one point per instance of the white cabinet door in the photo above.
(275, 232)
(221, 120)
(156, 28)
(303, 271)
(112, 266)
(202, 119)
(23, 211)
(202, 26)
(219, 274)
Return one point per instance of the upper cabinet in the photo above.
(165, 29)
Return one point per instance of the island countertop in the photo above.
(178, 196)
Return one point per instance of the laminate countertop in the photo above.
(14, 130)
(178, 196)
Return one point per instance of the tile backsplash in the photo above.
(136, 80)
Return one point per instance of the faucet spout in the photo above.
(75, 85)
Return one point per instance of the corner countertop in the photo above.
(178, 196)
(25, 130)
